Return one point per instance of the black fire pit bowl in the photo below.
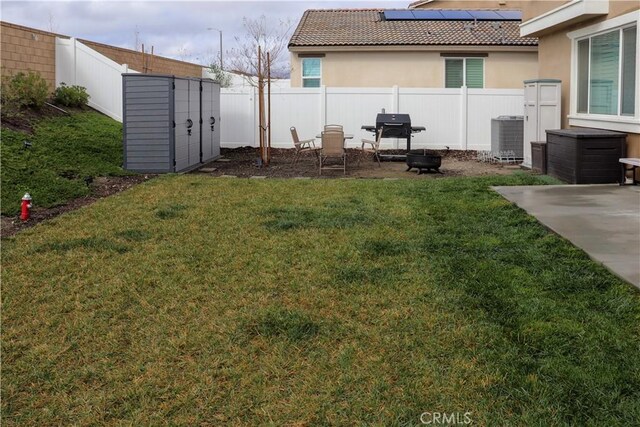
(423, 160)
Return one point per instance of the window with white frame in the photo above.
(605, 76)
(467, 72)
(311, 72)
(606, 72)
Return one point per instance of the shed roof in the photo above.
(367, 27)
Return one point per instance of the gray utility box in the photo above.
(170, 124)
(539, 157)
(585, 156)
(507, 133)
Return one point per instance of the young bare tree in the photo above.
(52, 26)
(137, 40)
(272, 38)
(184, 54)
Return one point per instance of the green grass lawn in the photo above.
(196, 301)
(65, 150)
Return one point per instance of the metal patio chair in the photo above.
(333, 148)
(369, 146)
(333, 127)
(304, 146)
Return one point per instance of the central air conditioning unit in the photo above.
(507, 134)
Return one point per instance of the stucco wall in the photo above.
(473, 4)
(27, 49)
(533, 8)
(503, 70)
(633, 147)
(508, 70)
(554, 60)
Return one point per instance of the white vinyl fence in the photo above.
(458, 118)
(77, 64)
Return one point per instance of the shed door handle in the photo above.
(189, 123)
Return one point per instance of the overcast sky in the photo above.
(176, 29)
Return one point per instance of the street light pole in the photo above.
(220, 31)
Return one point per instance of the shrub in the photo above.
(71, 96)
(23, 91)
(220, 76)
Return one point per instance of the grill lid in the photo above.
(396, 120)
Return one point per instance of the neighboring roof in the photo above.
(366, 27)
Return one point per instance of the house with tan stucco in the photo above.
(444, 48)
(592, 46)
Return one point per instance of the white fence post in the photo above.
(323, 106)
(395, 107)
(75, 62)
(464, 116)
(254, 113)
(395, 99)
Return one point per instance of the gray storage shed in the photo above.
(170, 124)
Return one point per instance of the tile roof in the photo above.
(367, 27)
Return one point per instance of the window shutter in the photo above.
(629, 64)
(453, 73)
(603, 82)
(474, 77)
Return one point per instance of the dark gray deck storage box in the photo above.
(170, 124)
(585, 156)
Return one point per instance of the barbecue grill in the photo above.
(394, 126)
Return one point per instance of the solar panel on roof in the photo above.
(398, 15)
(452, 15)
(510, 15)
(428, 15)
(456, 15)
(485, 15)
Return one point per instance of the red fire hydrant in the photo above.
(26, 207)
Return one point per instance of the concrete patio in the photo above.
(603, 220)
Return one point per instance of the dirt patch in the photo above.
(242, 162)
(101, 187)
(26, 119)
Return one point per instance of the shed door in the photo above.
(181, 93)
(530, 120)
(209, 121)
(215, 100)
(548, 108)
(194, 116)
